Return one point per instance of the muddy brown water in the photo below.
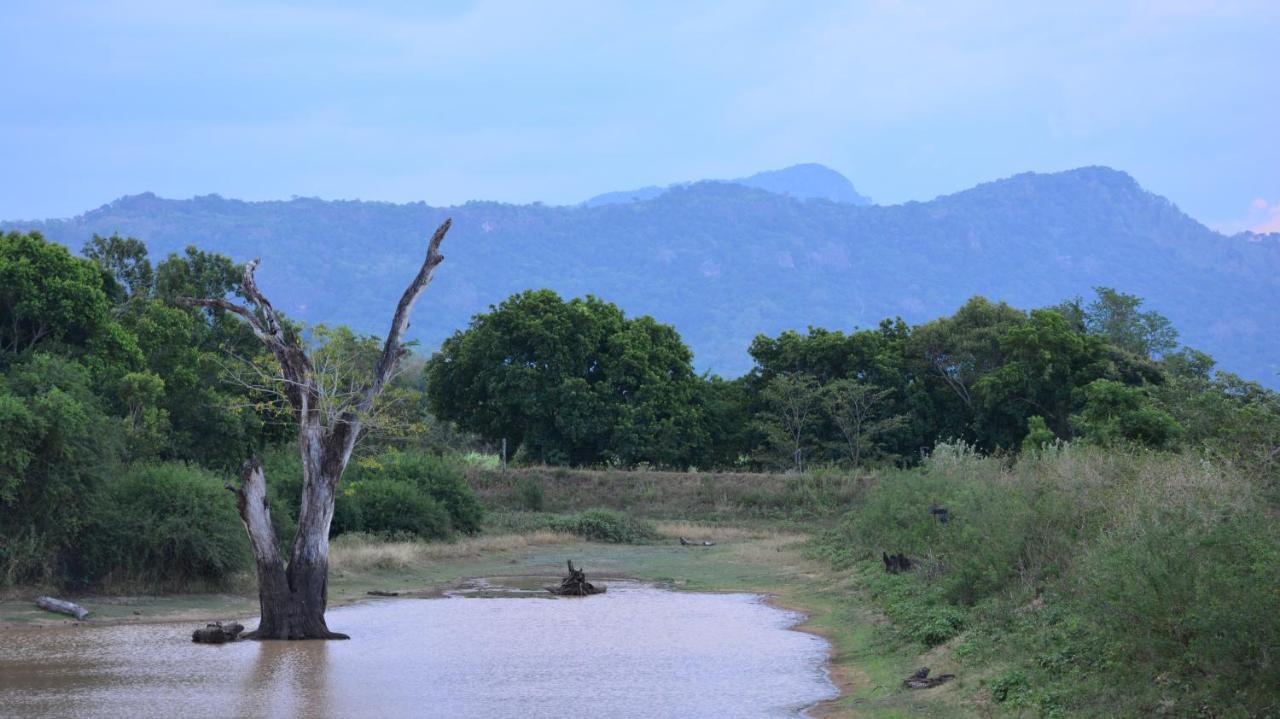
(637, 651)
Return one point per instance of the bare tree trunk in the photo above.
(294, 596)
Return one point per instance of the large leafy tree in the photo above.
(47, 296)
(875, 359)
(953, 354)
(56, 443)
(1046, 362)
(572, 382)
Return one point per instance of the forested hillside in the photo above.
(724, 262)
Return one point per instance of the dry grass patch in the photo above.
(700, 531)
(361, 552)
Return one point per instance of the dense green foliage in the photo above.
(1083, 573)
(163, 524)
(577, 383)
(605, 525)
(110, 386)
(571, 383)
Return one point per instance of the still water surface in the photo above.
(637, 651)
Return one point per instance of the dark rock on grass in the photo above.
(921, 679)
(217, 633)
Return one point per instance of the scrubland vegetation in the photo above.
(1111, 544)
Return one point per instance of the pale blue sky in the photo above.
(523, 101)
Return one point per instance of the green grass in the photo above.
(1080, 582)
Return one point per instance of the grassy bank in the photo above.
(1080, 582)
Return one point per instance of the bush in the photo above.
(1191, 591)
(604, 525)
(529, 494)
(164, 525)
(426, 484)
(389, 507)
(434, 477)
(1091, 570)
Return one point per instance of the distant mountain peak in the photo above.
(805, 181)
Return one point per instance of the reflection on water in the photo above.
(637, 651)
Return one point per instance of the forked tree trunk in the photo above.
(293, 595)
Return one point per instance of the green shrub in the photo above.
(435, 477)
(427, 484)
(1193, 592)
(605, 525)
(1081, 573)
(389, 507)
(529, 494)
(164, 525)
(1009, 686)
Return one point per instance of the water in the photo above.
(637, 651)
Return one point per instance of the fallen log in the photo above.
(49, 604)
(687, 543)
(921, 679)
(382, 593)
(217, 633)
(575, 585)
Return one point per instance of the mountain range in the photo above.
(724, 261)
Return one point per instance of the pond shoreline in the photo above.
(769, 565)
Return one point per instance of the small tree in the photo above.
(857, 410)
(1116, 317)
(794, 401)
(330, 418)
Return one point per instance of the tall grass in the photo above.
(1133, 564)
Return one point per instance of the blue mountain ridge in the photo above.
(723, 262)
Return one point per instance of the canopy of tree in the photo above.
(571, 382)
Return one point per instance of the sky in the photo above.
(555, 102)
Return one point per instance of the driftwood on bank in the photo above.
(382, 593)
(217, 633)
(575, 585)
(921, 679)
(687, 543)
(49, 604)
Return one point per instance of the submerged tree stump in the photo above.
(217, 633)
(575, 585)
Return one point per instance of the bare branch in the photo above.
(249, 284)
(219, 303)
(391, 349)
(294, 365)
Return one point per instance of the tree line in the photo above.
(103, 372)
(576, 382)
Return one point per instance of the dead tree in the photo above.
(575, 585)
(293, 595)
